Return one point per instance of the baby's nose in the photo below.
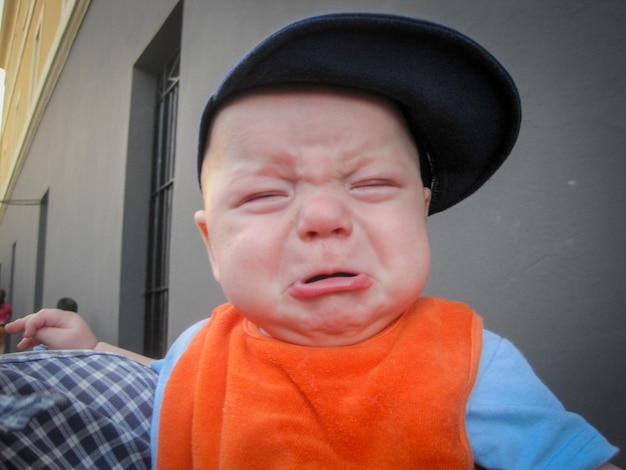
(324, 214)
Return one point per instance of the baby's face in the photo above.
(315, 214)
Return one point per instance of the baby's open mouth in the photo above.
(320, 277)
(330, 283)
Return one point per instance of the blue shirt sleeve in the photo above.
(513, 421)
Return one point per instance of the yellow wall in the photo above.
(35, 39)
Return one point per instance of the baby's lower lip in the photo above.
(330, 285)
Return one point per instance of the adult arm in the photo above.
(608, 466)
(145, 360)
(60, 329)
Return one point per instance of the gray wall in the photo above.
(538, 251)
(79, 155)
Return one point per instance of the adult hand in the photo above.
(57, 329)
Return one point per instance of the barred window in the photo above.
(157, 276)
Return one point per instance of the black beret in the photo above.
(460, 104)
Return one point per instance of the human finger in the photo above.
(16, 326)
(45, 318)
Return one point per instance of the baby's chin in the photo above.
(333, 332)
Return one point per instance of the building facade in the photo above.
(35, 39)
(108, 159)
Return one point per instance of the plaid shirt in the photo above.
(74, 410)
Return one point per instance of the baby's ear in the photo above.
(427, 198)
(200, 219)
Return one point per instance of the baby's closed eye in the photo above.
(374, 189)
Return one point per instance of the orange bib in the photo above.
(237, 399)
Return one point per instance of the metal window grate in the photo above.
(157, 276)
